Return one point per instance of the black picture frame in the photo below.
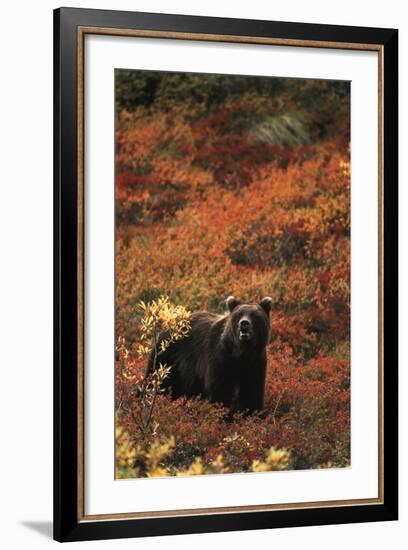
(67, 523)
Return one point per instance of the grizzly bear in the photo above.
(223, 358)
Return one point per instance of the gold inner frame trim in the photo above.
(81, 33)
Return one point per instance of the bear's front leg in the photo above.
(220, 387)
(221, 394)
(252, 388)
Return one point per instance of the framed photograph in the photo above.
(225, 274)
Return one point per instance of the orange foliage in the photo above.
(203, 212)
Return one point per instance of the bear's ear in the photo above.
(266, 304)
(231, 302)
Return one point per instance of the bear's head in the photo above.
(249, 324)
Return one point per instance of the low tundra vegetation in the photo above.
(229, 187)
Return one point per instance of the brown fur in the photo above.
(223, 358)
